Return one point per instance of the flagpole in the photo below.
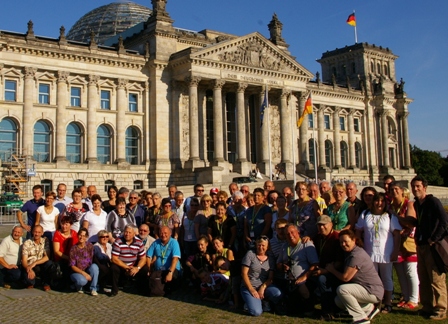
(314, 143)
(269, 133)
(356, 33)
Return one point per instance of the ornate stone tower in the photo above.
(275, 31)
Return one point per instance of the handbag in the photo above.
(156, 284)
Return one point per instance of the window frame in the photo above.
(105, 103)
(74, 98)
(44, 97)
(342, 123)
(327, 121)
(10, 91)
(42, 143)
(68, 144)
(133, 105)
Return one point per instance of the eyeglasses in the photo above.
(104, 236)
(143, 230)
(133, 197)
(200, 190)
(263, 238)
(167, 205)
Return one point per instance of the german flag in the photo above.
(306, 111)
(351, 20)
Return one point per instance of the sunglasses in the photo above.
(200, 190)
(263, 238)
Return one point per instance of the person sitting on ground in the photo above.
(298, 260)
(214, 286)
(81, 262)
(200, 260)
(35, 260)
(257, 273)
(102, 254)
(362, 287)
(10, 257)
(162, 260)
(218, 244)
(64, 239)
(128, 258)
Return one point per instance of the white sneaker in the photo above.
(107, 290)
(81, 291)
(94, 293)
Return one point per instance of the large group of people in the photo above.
(260, 251)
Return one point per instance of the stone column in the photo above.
(385, 138)
(241, 123)
(321, 136)
(285, 126)
(146, 123)
(61, 152)
(303, 134)
(265, 167)
(406, 149)
(193, 83)
(371, 149)
(337, 138)
(218, 132)
(92, 104)
(28, 99)
(351, 140)
(121, 120)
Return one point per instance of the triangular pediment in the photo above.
(252, 51)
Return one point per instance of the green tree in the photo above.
(428, 164)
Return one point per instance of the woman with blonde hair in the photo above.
(203, 215)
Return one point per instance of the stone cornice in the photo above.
(72, 52)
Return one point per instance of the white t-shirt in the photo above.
(378, 235)
(96, 224)
(47, 220)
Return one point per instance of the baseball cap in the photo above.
(324, 219)
(214, 191)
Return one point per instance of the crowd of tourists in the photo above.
(256, 251)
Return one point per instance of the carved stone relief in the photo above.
(184, 110)
(275, 133)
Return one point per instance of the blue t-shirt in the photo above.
(255, 220)
(164, 254)
(30, 208)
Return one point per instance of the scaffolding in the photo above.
(15, 173)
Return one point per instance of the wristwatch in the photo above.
(138, 268)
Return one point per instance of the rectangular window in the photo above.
(327, 121)
(342, 123)
(10, 90)
(44, 93)
(356, 124)
(105, 99)
(133, 102)
(75, 97)
(310, 121)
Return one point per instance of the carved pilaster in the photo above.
(62, 76)
(241, 87)
(30, 72)
(122, 83)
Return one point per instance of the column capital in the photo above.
(93, 79)
(193, 81)
(218, 84)
(122, 83)
(285, 92)
(62, 76)
(30, 72)
(241, 86)
(337, 109)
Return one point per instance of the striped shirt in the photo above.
(129, 254)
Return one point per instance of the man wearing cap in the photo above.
(329, 251)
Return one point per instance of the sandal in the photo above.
(386, 309)
(401, 304)
(410, 305)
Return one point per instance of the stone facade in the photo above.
(169, 105)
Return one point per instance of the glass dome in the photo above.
(107, 21)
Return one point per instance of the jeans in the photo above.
(254, 305)
(11, 275)
(80, 281)
(42, 271)
(408, 278)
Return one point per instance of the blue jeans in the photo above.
(272, 293)
(80, 281)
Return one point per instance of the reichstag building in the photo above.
(126, 98)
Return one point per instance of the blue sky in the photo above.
(417, 33)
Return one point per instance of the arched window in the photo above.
(42, 141)
(132, 144)
(8, 138)
(78, 183)
(344, 154)
(107, 184)
(358, 154)
(103, 144)
(386, 70)
(372, 67)
(74, 140)
(378, 68)
(329, 154)
(311, 151)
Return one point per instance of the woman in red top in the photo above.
(63, 240)
(406, 266)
